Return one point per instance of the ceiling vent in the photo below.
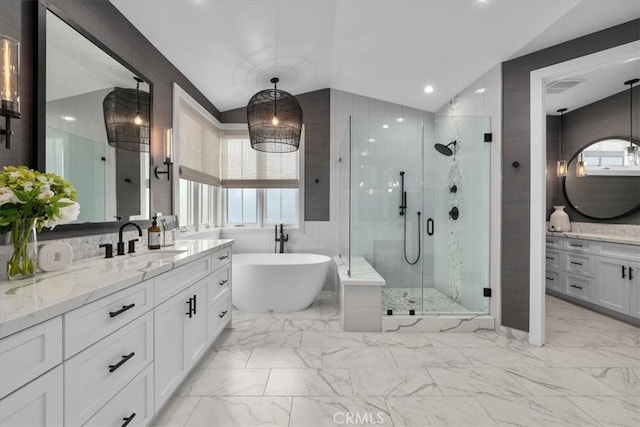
(560, 86)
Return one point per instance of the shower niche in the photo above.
(419, 210)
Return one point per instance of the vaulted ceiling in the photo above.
(390, 50)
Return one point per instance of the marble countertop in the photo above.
(24, 303)
(611, 238)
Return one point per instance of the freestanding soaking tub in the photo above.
(277, 282)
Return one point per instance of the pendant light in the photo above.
(9, 85)
(632, 149)
(581, 167)
(126, 117)
(275, 120)
(561, 168)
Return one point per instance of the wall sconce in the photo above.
(168, 152)
(9, 84)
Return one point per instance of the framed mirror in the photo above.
(96, 120)
(611, 188)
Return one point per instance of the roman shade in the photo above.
(199, 146)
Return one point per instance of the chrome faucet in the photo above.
(282, 238)
(132, 243)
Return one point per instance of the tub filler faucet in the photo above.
(282, 238)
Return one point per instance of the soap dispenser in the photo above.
(153, 238)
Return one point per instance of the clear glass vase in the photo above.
(23, 260)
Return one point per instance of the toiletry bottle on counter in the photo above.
(154, 235)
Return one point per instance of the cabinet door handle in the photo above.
(120, 363)
(576, 263)
(576, 286)
(221, 315)
(190, 312)
(128, 420)
(223, 257)
(122, 310)
(624, 269)
(194, 305)
(630, 273)
(550, 257)
(222, 283)
(550, 278)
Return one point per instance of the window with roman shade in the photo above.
(199, 146)
(244, 167)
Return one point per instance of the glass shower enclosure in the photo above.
(420, 216)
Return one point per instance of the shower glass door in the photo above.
(460, 187)
(384, 205)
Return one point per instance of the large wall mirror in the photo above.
(611, 188)
(96, 125)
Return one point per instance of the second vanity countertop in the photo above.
(24, 303)
(625, 240)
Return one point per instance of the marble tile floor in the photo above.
(299, 370)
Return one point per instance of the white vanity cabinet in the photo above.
(600, 273)
(117, 359)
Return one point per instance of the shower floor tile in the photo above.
(401, 300)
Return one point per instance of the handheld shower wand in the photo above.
(403, 209)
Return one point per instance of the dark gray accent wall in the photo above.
(105, 23)
(608, 117)
(516, 144)
(316, 118)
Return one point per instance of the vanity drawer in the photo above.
(92, 322)
(579, 264)
(29, 353)
(576, 245)
(135, 400)
(552, 280)
(552, 242)
(219, 314)
(554, 259)
(220, 281)
(579, 286)
(172, 282)
(221, 258)
(95, 375)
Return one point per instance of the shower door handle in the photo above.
(430, 227)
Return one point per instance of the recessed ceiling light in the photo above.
(482, 1)
(400, 119)
(385, 126)
(68, 118)
(428, 89)
(481, 90)
(372, 140)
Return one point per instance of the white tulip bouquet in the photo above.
(30, 200)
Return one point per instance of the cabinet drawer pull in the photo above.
(550, 257)
(128, 420)
(222, 283)
(122, 310)
(223, 257)
(575, 245)
(221, 315)
(630, 273)
(120, 363)
(624, 270)
(576, 286)
(190, 312)
(551, 243)
(550, 278)
(576, 263)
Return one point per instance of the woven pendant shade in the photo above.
(275, 120)
(121, 107)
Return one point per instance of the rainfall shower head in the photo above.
(444, 149)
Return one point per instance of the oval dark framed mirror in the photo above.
(611, 188)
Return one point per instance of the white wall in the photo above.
(488, 103)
